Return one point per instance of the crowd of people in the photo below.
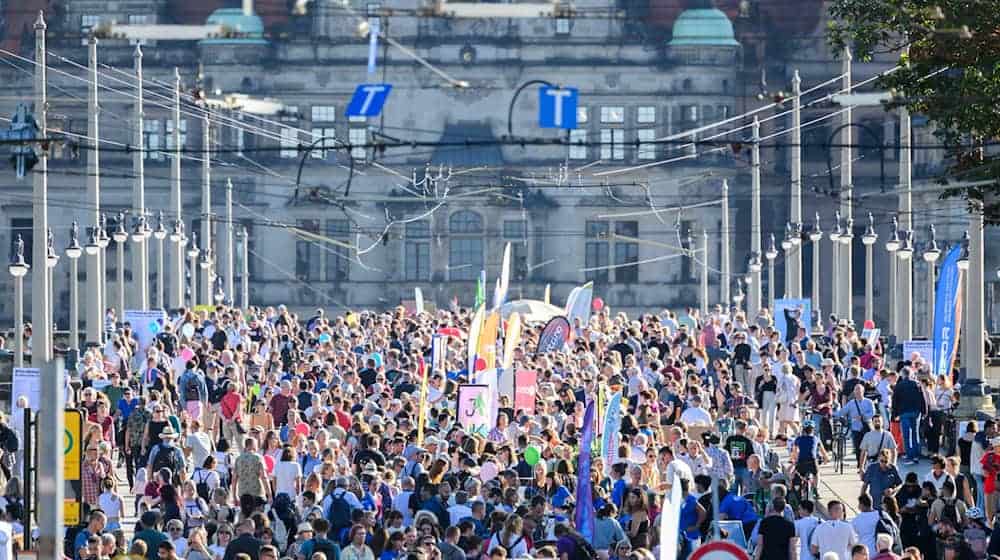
(255, 433)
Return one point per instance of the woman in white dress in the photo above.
(788, 398)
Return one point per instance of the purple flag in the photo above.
(585, 515)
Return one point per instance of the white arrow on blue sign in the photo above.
(557, 107)
(368, 100)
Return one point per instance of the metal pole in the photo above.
(704, 272)
(50, 470)
(753, 298)
(41, 306)
(893, 297)
(206, 211)
(19, 321)
(74, 299)
(975, 319)
(793, 261)
(869, 289)
(904, 272)
(230, 249)
(140, 263)
(816, 236)
(160, 278)
(724, 247)
(121, 280)
(176, 293)
(846, 193)
(245, 280)
(95, 273)
(931, 269)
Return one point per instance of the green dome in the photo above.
(707, 26)
(251, 28)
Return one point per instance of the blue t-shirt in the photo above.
(127, 407)
(618, 492)
(738, 508)
(689, 517)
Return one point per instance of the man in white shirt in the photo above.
(865, 524)
(461, 509)
(695, 415)
(834, 535)
(672, 467)
(804, 527)
(401, 502)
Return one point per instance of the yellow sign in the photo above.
(72, 440)
(72, 513)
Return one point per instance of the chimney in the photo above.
(248, 7)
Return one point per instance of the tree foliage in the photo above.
(949, 72)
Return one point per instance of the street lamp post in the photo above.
(846, 286)
(74, 252)
(704, 272)
(834, 235)
(93, 251)
(245, 276)
(931, 255)
(18, 268)
(753, 281)
(869, 239)
(52, 259)
(770, 255)
(893, 245)
(816, 235)
(738, 296)
(121, 236)
(103, 241)
(220, 294)
(160, 233)
(192, 253)
(904, 316)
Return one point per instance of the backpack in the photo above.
(887, 526)
(950, 513)
(509, 549)
(166, 457)
(340, 512)
(583, 549)
(326, 546)
(8, 439)
(191, 389)
(201, 486)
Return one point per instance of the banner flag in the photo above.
(585, 515)
(947, 313)
(554, 335)
(612, 432)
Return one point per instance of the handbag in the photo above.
(866, 425)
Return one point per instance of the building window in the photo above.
(139, 19)
(613, 115)
(582, 115)
(338, 260)
(578, 144)
(307, 259)
(323, 113)
(596, 251)
(289, 143)
(151, 134)
(324, 147)
(645, 114)
(170, 133)
(516, 232)
(647, 147)
(626, 252)
(87, 23)
(417, 248)
(465, 250)
(290, 113)
(358, 137)
(562, 26)
(612, 144)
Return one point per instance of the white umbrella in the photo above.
(531, 310)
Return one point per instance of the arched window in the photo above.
(465, 249)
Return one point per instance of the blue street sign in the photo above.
(557, 107)
(368, 100)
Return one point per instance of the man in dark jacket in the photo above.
(246, 542)
(908, 405)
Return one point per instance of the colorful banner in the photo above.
(25, 382)
(474, 329)
(947, 313)
(585, 515)
(612, 437)
(578, 304)
(474, 404)
(145, 326)
(480, 289)
(487, 343)
(504, 276)
(418, 300)
(525, 388)
(797, 312)
(511, 338)
(554, 335)
(923, 348)
(670, 518)
(422, 413)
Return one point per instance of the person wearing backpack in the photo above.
(511, 538)
(206, 479)
(571, 545)
(947, 508)
(193, 391)
(337, 507)
(319, 542)
(166, 454)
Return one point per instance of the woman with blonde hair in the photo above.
(510, 538)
